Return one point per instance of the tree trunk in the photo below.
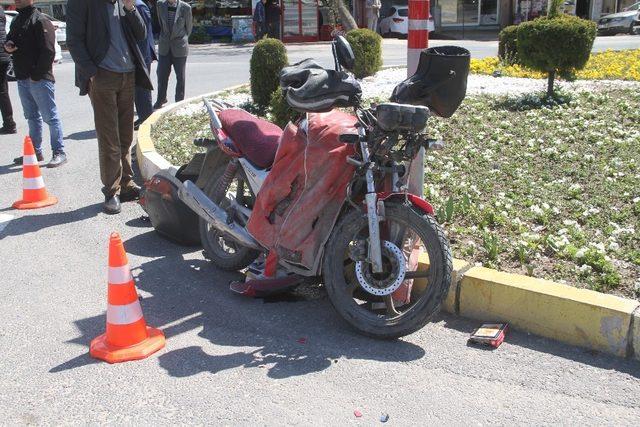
(550, 79)
(348, 23)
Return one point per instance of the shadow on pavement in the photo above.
(10, 168)
(82, 136)
(286, 339)
(549, 346)
(34, 223)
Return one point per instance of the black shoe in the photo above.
(136, 125)
(112, 205)
(158, 105)
(131, 193)
(58, 159)
(18, 160)
(8, 130)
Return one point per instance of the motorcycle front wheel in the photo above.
(383, 305)
(226, 253)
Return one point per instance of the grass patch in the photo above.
(608, 65)
(549, 192)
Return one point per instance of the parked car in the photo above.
(396, 23)
(61, 30)
(10, 15)
(621, 22)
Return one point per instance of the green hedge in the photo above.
(508, 45)
(367, 48)
(555, 45)
(267, 60)
(199, 35)
(281, 112)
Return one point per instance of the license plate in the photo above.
(601, 26)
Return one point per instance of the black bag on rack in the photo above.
(440, 82)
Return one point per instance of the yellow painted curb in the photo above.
(576, 316)
(635, 335)
(459, 267)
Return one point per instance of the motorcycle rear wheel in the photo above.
(358, 306)
(225, 253)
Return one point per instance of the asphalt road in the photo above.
(231, 360)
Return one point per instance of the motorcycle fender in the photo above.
(416, 201)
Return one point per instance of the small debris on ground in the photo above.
(384, 418)
(357, 413)
(302, 340)
(489, 334)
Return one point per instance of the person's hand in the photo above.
(130, 5)
(10, 47)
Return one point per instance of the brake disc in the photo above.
(388, 281)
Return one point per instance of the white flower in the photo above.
(536, 210)
(599, 247)
(636, 199)
(546, 206)
(581, 253)
(585, 268)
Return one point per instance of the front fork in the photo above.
(375, 248)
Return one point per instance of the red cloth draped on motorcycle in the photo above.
(305, 190)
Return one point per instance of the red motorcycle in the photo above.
(327, 197)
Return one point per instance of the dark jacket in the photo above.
(88, 39)
(34, 36)
(4, 56)
(147, 46)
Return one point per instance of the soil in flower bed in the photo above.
(548, 192)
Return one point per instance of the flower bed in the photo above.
(552, 193)
(613, 65)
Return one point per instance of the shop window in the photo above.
(459, 12)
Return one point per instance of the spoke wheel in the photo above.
(378, 307)
(224, 252)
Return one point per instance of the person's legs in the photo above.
(43, 92)
(31, 113)
(124, 101)
(143, 102)
(372, 20)
(180, 65)
(8, 125)
(163, 71)
(104, 94)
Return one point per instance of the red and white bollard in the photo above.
(417, 41)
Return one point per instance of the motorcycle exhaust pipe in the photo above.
(193, 197)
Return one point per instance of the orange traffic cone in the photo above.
(34, 194)
(128, 337)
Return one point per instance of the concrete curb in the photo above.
(575, 316)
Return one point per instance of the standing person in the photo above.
(272, 10)
(373, 13)
(103, 36)
(8, 125)
(143, 97)
(32, 41)
(260, 20)
(176, 23)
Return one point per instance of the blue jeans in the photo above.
(38, 103)
(143, 101)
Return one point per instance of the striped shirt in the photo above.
(171, 16)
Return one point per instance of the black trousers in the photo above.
(165, 62)
(5, 101)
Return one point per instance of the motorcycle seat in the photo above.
(255, 138)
